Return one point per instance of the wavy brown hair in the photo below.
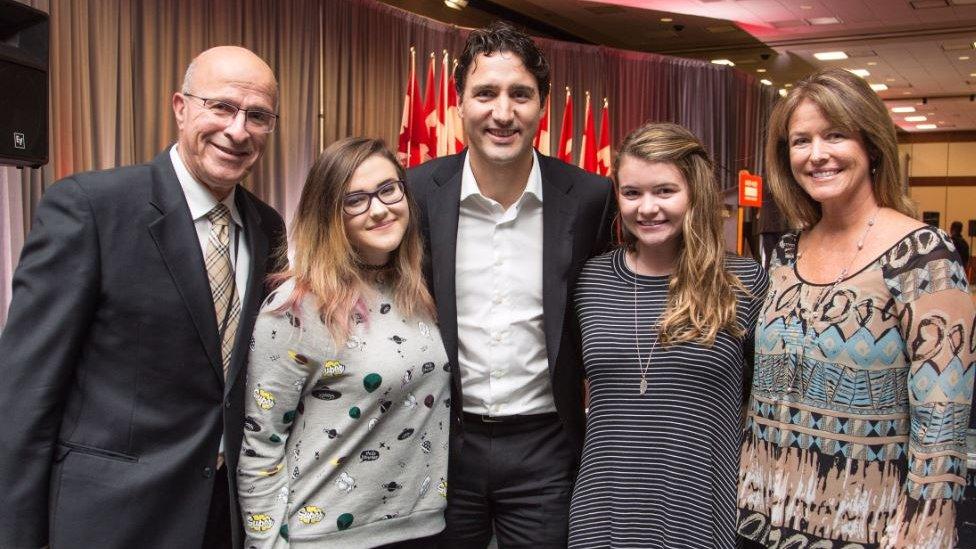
(324, 262)
(702, 294)
(849, 103)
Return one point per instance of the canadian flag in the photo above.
(587, 159)
(603, 157)
(542, 138)
(565, 152)
(430, 108)
(413, 146)
(453, 118)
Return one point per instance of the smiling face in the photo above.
(831, 164)
(377, 232)
(500, 108)
(217, 154)
(653, 198)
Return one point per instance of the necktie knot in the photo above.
(219, 215)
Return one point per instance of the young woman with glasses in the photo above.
(346, 429)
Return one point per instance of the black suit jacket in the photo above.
(577, 209)
(110, 367)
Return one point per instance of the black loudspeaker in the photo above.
(24, 45)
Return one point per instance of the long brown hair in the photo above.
(324, 262)
(848, 102)
(701, 297)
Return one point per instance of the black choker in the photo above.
(369, 267)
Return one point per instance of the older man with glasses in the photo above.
(133, 304)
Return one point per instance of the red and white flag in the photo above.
(430, 108)
(541, 142)
(587, 159)
(603, 153)
(443, 127)
(565, 152)
(453, 118)
(403, 142)
(419, 138)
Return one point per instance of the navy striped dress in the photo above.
(659, 470)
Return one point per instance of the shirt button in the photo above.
(498, 300)
(227, 404)
(207, 472)
(498, 262)
(497, 336)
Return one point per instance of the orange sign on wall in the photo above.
(750, 190)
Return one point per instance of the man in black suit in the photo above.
(507, 231)
(121, 365)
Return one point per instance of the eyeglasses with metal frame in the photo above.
(254, 119)
(359, 202)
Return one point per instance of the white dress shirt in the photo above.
(501, 339)
(200, 201)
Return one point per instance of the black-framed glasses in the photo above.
(359, 202)
(254, 119)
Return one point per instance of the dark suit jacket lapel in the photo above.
(257, 247)
(558, 212)
(179, 247)
(443, 203)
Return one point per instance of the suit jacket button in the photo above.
(227, 404)
(207, 471)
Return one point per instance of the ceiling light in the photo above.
(782, 92)
(766, 82)
(903, 109)
(915, 119)
(872, 63)
(787, 85)
(830, 55)
(879, 87)
(964, 58)
(456, 4)
(723, 62)
(973, 74)
(760, 70)
(863, 73)
(823, 20)
(666, 19)
(906, 93)
(926, 126)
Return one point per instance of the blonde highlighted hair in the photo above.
(849, 103)
(701, 297)
(324, 262)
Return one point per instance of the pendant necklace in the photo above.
(818, 302)
(643, 365)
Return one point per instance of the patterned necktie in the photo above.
(220, 271)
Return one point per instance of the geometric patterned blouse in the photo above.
(856, 428)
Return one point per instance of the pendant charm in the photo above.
(643, 386)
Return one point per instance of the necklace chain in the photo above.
(818, 302)
(643, 365)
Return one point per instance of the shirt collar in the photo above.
(533, 187)
(198, 197)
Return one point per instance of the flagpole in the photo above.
(413, 75)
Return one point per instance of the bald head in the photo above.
(231, 59)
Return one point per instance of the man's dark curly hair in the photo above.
(503, 37)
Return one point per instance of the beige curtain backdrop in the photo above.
(342, 67)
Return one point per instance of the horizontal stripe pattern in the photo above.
(659, 469)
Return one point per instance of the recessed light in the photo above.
(863, 73)
(830, 55)
(879, 87)
(964, 58)
(903, 109)
(906, 93)
(787, 85)
(456, 4)
(872, 63)
(666, 19)
(766, 82)
(823, 20)
(782, 92)
(926, 126)
(723, 62)
(915, 119)
(973, 74)
(760, 70)
(889, 79)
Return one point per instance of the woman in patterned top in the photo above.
(864, 351)
(345, 441)
(666, 323)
